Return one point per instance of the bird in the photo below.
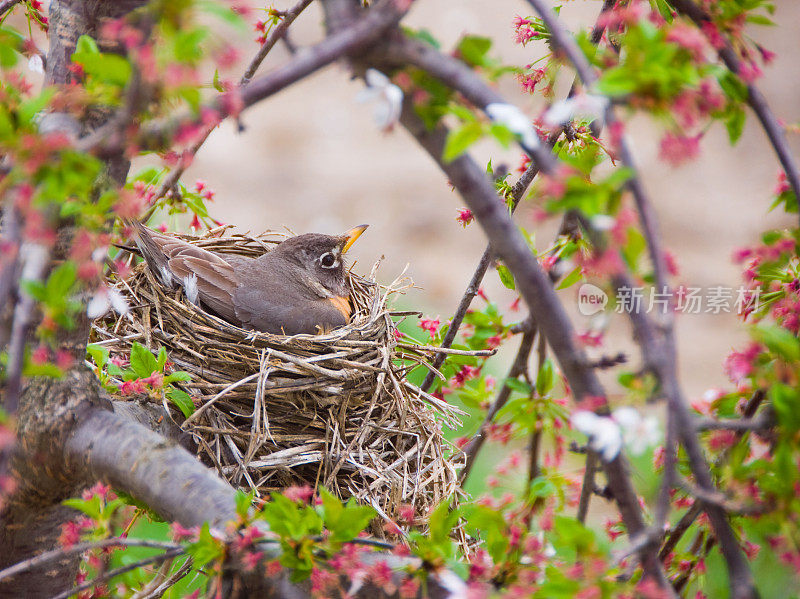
(297, 287)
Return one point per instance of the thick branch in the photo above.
(535, 286)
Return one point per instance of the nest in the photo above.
(274, 411)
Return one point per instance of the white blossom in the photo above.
(603, 222)
(388, 99)
(35, 64)
(637, 433)
(585, 105)
(516, 121)
(605, 436)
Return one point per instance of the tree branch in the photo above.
(280, 29)
(519, 189)
(755, 98)
(545, 307)
(517, 368)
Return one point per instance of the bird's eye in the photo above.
(328, 260)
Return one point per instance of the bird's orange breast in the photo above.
(342, 304)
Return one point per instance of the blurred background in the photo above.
(312, 159)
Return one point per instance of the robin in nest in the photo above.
(298, 287)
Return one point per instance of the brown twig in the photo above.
(78, 548)
(278, 33)
(287, 18)
(7, 5)
(661, 350)
(755, 98)
(479, 438)
(519, 189)
(109, 574)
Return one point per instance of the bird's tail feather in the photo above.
(157, 260)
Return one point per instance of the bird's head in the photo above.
(322, 256)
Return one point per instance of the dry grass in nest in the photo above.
(274, 411)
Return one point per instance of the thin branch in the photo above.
(517, 193)
(755, 98)
(536, 288)
(763, 422)
(280, 29)
(35, 260)
(479, 438)
(109, 574)
(78, 548)
(587, 485)
(355, 39)
(677, 532)
(7, 5)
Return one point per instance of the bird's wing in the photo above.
(308, 316)
(204, 275)
(216, 281)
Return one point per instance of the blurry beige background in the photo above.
(312, 159)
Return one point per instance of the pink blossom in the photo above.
(740, 365)
(719, 440)
(688, 37)
(134, 387)
(100, 490)
(300, 494)
(767, 56)
(464, 217)
(677, 149)
(590, 339)
(523, 35)
(782, 185)
(749, 71)
(430, 325)
(179, 533)
(713, 34)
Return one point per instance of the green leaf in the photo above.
(504, 136)
(61, 280)
(32, 107)
(760, 20)
(86, 45)
(786, 402)
(143, 363)
(506, 277)
(178, 376)
(182, 400)
(206, 549)
(735, 124)
(458, 140)
(518, 386)
(98, 353)
(573, 277)
(162, 359)
(243, 502)
(109, 68)
(545, 378)
(779, 341)
(92, 507)
(473, 49)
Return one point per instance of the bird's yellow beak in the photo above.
(351, 236)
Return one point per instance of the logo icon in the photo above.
(591, 299)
